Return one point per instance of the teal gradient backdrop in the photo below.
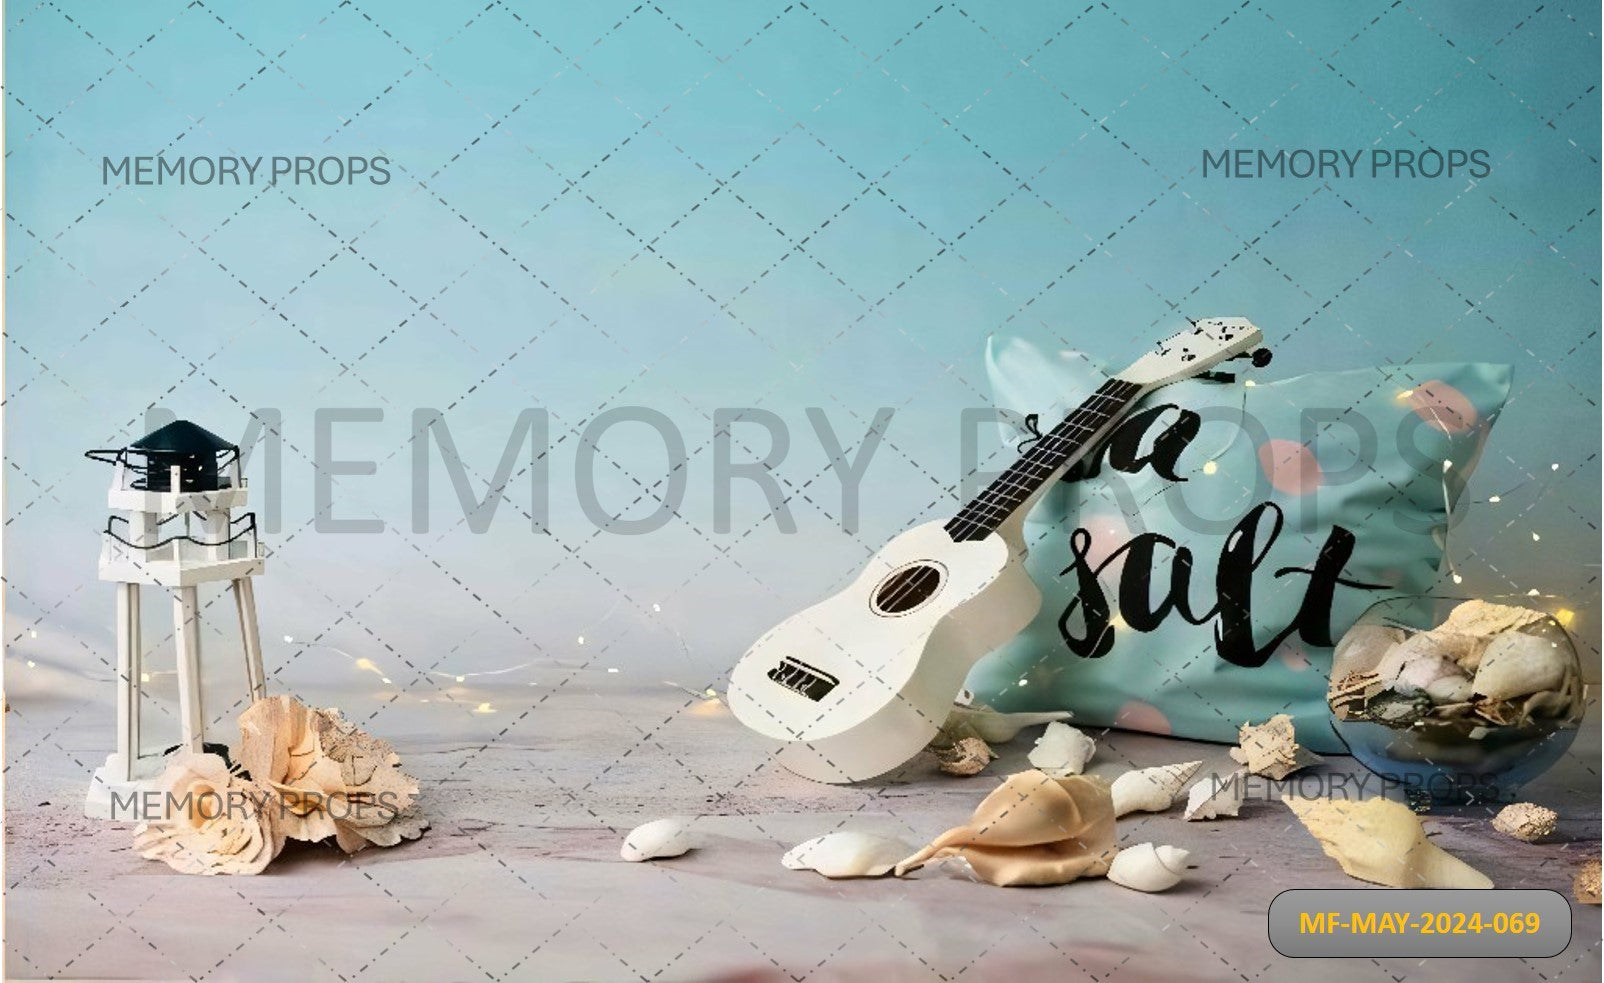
(693, 206)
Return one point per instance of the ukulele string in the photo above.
(1044, 448)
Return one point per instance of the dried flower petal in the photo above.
(213, 820)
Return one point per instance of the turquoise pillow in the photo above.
(1197, 574)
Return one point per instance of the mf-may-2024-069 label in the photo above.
(1379, 923)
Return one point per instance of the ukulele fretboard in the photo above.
(1041, 462)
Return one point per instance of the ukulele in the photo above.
(860, 682)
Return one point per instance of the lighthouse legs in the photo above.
(245, 601)
(128, 653)
(186, 631)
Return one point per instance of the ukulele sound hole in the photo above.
(907, 589)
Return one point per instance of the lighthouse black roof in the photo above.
(193, 450)
(183, 437)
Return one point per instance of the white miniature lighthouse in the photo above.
(177, 488)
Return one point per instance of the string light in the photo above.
(1565, 616)
(612, 669)
(1209, 467)
(1495, 499)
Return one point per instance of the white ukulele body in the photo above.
(855, 685)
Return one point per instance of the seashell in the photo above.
(1032, 829)
(1504, 713)
(1382, 841)
(657, 839)
(1417, 662)
(1484, 618)
(847, 853)
(1585, 886)
(1151, 789)
(1214, 797)
(1449, 689)
(1517, 664)
(989, 725)
(1062, 750)
(1362, 648)
(1145, 867)
(968, 756)
(1548, 703)
(1525, 821)
(1271, 749)
(1350, 694)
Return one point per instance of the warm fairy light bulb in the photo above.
(1536, 538)
(144, 677)
(1249, 382)
(1209, 467)
(1565, 616)
(484, 708)
(656, 606)
(1553, 467)
(33, 633)
(386, 680)
(1405, 393)
(612, 668)
(581, 639)
(1458, 579)
(1495, 499)
(462, 679)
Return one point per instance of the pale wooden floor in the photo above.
(520, 877)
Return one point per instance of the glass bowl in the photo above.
(1404, 695)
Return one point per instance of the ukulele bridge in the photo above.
(799, 677)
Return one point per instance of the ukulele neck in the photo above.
(1044, 462)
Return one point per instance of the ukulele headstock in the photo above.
(1193, 352)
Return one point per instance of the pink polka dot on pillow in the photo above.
(1137, 715)
(1290, 466)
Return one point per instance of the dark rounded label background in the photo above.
(1289, 907)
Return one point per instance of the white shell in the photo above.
(1151, 789)
(847, 853)
(656, 839)
(1214, 796)
(1362, 648)
(1515, 664)
(1450, 689)
(1062, 750)
(1418, 662)
(1144, 867)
